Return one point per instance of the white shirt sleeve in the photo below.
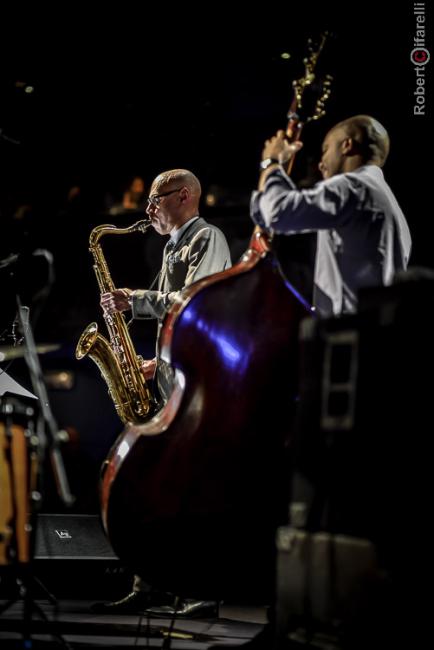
(285, 209)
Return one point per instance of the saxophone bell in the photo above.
(87, 341)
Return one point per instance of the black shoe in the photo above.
(134, 603)
(187, 608)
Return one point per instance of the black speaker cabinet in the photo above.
(74, 559)
(362, 457)
(353, 565)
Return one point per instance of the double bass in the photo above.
(191, 499)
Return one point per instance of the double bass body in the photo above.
(191, 498)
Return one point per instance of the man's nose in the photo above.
(149, 209)
(321, 166)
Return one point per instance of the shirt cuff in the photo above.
(133, 303)
(255, 213)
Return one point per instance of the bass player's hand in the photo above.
(278, 148)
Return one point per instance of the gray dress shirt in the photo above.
(363, 237)
(194, 251)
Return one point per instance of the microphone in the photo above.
(30, 273)
(6, 138)
(16, 258)
(9, 260)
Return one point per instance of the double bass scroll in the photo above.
(310, 94)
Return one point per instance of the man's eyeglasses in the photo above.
(155, 199)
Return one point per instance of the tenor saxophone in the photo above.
(116, 358)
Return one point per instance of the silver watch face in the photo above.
(267, 162)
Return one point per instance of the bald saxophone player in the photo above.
(195, 250)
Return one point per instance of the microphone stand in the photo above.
(47, 423)
(49, 437)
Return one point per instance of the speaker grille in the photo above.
(69, 537)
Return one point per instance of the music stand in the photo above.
(10, 387)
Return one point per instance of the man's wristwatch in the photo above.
(264, 164)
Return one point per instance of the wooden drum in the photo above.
(18, 476)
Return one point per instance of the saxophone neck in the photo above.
(110, 229)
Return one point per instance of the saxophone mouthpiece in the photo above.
(144, 225)
(139, 226)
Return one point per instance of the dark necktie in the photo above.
(169, 247)
(168, 254)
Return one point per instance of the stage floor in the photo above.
(80, 628)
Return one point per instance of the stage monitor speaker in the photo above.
(73, 558)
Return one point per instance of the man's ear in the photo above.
(348, 146)
(184, 194)
(351, 147)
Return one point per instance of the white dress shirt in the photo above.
(363, 236)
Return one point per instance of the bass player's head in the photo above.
(173, 200)
(359, 140)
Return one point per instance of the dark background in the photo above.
(135, 93)
(125, 94)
